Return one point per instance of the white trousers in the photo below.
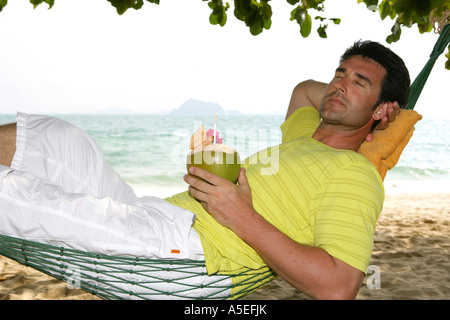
(60, 191)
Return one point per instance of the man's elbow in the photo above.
(339, 287)
(343, 285)
(339, 294)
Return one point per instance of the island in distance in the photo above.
(194, 106)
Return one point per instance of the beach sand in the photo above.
(411, 259)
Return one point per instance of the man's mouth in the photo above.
(336, 101)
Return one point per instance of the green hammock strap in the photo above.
(418, 84)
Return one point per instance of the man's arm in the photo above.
(306, 93)
(309, 269)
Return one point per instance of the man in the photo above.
(311, 221)
(360, 95)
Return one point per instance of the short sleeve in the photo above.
(303, 122)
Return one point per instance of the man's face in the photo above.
(351, 95)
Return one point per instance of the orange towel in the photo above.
(387, 145)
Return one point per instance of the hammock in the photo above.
(115, 277)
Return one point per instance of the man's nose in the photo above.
(341, 85)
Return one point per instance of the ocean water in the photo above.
(149, 151)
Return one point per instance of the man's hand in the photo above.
(392, 111)
(225, 201)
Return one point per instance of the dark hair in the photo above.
(395, 86)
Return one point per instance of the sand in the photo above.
(411, 259)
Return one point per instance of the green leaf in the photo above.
(319, 18)
(218, 16)
(322, 31)
(303, 19)
(370, 3)
(3, 3)
(256, 15)
(256, 27)
(305, 28)
(243, 6)
(386, 10)
(396, 33)
(123, 5)
(313, 4)
(425, 28)
(447, 55)
(335, 20)
(223, 21)
(50, 3)
(266, 10)
(35, 3)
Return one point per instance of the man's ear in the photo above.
(380, 111)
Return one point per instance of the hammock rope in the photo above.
(113, 277)
(419, 83)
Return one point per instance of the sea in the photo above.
(149, 150)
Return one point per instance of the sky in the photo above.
(81, 56)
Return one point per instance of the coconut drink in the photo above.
(209, 153)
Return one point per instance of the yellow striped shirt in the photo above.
(315, 194)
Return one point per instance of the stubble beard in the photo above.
(333, 114)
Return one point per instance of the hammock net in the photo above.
(115, 277)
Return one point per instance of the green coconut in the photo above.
(219, 159)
